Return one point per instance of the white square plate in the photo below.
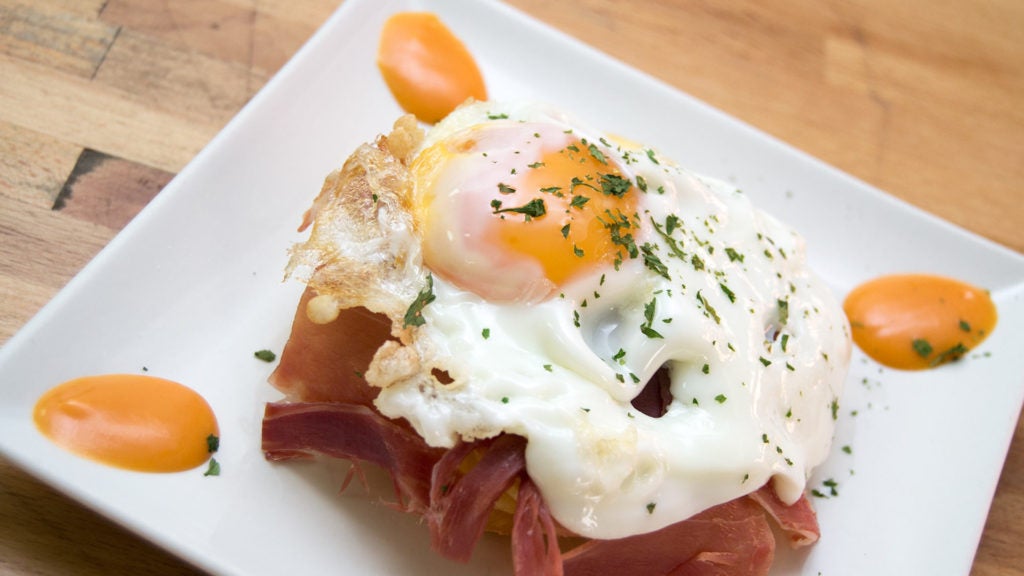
(193, 286)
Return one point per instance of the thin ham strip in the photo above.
(798, 521)
(458, 513)
(325, 362)
(731, 539)
(534, 534)
(355, 433)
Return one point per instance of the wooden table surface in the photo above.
(103, 101)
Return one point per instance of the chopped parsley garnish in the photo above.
(650, 507)
(783, 311)
(728, 293)
(784, 341)
(597, 154)
(671, 223)
(212, 443)
(578, 201)
(565, 231)
(213, 469)
(265, 355)
(652, 261)
(535, 165)
(950, 355)
(764, 361)
(650, 154)
(720, 398)
(505, 188)
(710, 310)
(706, 368)
(615, 185)
(965, 326)
(697, 263)
(556, 190)
(577, 251)
(734, 255)
(414, 315)
(501, 116)
(645, 328)
(532, 209)
(922, 347)
(835, 408)
(847, 449)
(641, 183)
(620, 356)
(548, 367)
(504, 399)
(486, 333)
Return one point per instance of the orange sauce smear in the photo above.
(136, 422)
(918, 321)
(428, 70)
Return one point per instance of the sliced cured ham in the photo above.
(733, 538)
(331, 413)
(325, 362)
(798, 520)
(357, 433)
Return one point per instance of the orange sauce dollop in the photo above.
(428, 70)
(130, 421)
(918, 321)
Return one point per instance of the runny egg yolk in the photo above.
(428, 70)
(129, 421)
(918, 321)
(514, 212)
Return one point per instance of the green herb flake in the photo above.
(578, 201)
(645, 328)
(505, 188)
(213, 468)
(597, 154)
(650, 154)
(707, 307)
(486, 333)
(734, 255)
(265, 355)
(847, 450)
(535, 165)
(922, 347)
(652, 261)
(414, 315)
(548, 368)
(504, 399)
(501, 116)
(565, 231)
(950, 355)
(835, 408)
(765, 361)
(965, 326)
(784, 341)
(212, 443)
(641, 183)
(577, 251)
(615, 185)
(720, 398)
(532, 209)
(706, 369)
(783, 311)
(729, 293)
(650, 507)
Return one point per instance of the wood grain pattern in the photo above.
(922, 99)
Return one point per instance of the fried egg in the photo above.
(539, 274)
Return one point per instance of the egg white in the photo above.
(754, 394)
